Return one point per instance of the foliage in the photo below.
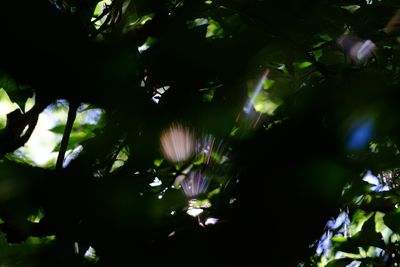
(281, 108)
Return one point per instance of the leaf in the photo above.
(21, 96)
(333, 59)
(351, 8)
(17, 93)
(74, 140)
(268, 84)
(339, 262)
(368, 235)
(349, 246)
(303, 65)
(392, 220)
(85, 128)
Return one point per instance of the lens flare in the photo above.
(360, 134)
(358, 50)
(250, 103)
(210, 151)
(195, 183)
(177, 143)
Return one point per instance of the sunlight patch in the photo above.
(6, 106)
(90, 254)
(42, 147)
(156, 182)
(121, 159)
(35, 218)
(214, 29)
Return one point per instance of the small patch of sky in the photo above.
(340, 226)
(374, 180)
(71, 155)
(354, 263)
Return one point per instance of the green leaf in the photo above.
(333, 58)
(339, 262)
(214, 29)
(82, 128)
(74, 140)
(158, 162)
(392, 220)
(17, 93)
(349, 246)
(339, 239)
(304, 65)
(368, 235)
(268, 84)
(326, 37)
(351, 8)
(21, 96)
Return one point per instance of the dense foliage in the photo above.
(262, 119)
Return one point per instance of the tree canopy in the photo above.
(199, 133)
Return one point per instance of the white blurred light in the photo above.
(156, 182)
(143, 48)
(194, 212)
(171, 234)
(90, 254)
(177, 143)
(211, 221)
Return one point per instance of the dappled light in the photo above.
(43, 145)
(6, 106)
(261, 103)
(207, 133)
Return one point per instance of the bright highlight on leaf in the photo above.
(6, 106)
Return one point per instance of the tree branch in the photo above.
(73, 107)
